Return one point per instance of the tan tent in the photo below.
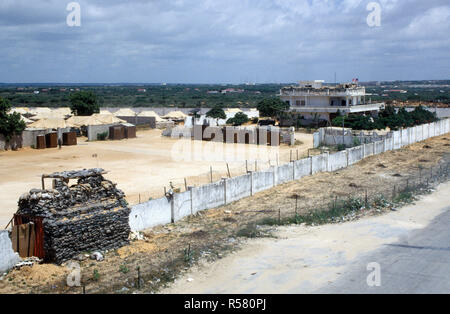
(21, 110)
(40, 110)
(175, 115)
(107, 118)
(125, 112)
(26, 120)
(48, 124)
(65, 111)
(49, 115)
(79, 121)
(150, 113)
(104, 111)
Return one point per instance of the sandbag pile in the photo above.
(91, 215)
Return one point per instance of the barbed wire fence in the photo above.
(337, 206)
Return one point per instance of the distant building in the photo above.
(141, 90)
(314, 99)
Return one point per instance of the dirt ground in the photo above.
(171, 249)
(141, 167)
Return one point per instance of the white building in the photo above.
(313, 99)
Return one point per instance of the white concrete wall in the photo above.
(8, 258)
(262, 180)
(355, 154)
(161, 211)
(238, 187)
(150, 214)
(319, 163)
(182, 205)
(302, 168)
(208, 196)
(284, 173)
(369, 149)
(379, 147)
(337, 161)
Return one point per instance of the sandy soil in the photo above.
(303, 259)
(211, 234)
(141, 167)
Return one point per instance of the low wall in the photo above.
(238, 187)
(379, 147)
(355, 154)
(262, 180)
(150, 214)
(284, 173)
(162, 211)
(337, 161)
(8, 258)
(319, 163)
(208, 196)
(150, 121)
(182, 205)
(302, 168)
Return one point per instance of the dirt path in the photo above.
(304, 259)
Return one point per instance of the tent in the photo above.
(49, 115)
(79, 121)
(125, 112)
(48, 124)
(38, 110)
(26, 120)
(21, 110)
(150, 113)
(176, 115)
(65, 111)
(107, 118)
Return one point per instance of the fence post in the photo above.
(328, 161)
(251, 183)
(347, 155)
(293, 170)
(190, 188)
(224, 180)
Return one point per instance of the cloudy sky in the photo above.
(223, 41)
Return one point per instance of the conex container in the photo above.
(40, 142)
(51, 140)
(70, 138)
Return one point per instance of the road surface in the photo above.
(411, 246)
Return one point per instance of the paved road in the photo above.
(418, 263)
(411, 245)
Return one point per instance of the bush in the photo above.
(239, 119)
(388, 117)
(102, 136)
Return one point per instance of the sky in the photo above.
(223, 41)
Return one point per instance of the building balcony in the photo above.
(343, 109)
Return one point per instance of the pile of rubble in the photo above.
(88, 216)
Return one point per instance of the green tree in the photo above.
(84, 103)
(271, 107)
(11, 124)
(239, 119)
(217, 113)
